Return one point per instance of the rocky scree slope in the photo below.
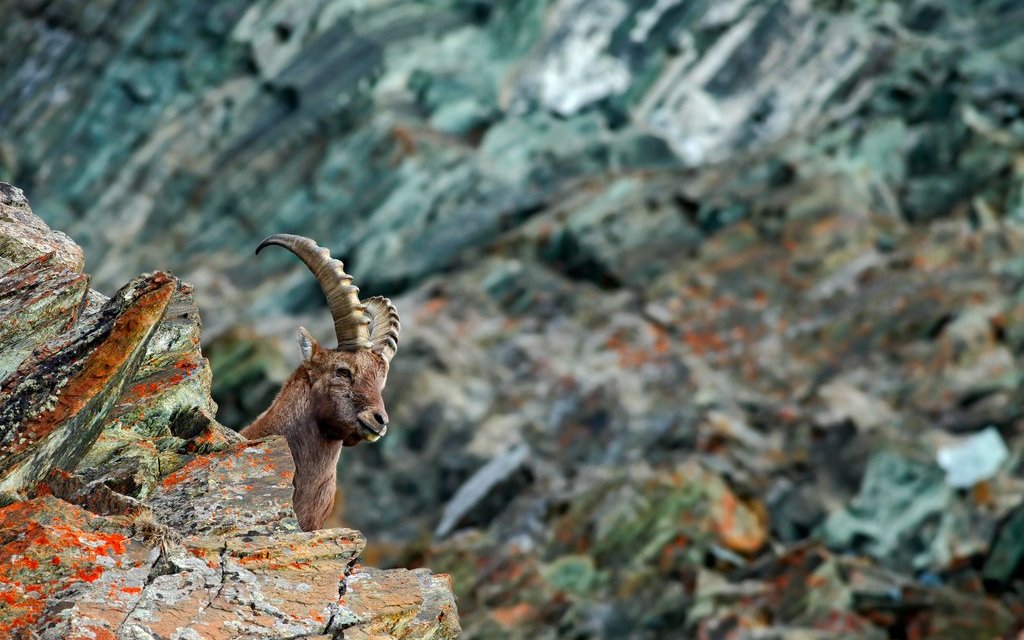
(128, 511)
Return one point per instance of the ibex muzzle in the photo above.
(374, 422)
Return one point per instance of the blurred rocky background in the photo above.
(713, 311)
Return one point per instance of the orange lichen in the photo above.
(703, 342)
(89, 574)
(145, 389)
(198, 462)
(738, 525)
(983, 494)
(258, 556)
(29, 564)
(629, 355)
(206, 437)
(127, 332)
(510, 617)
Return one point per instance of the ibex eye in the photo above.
(343, 373)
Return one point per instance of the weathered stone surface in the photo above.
(164, 411)
(41, 300)
(131, 513)
(249, 587)
(248, 488)
(396, 604)
(49, 546)
(51, 407)
(24, 237)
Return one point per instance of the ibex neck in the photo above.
(316, 458)
(291, 415)
(289, 411)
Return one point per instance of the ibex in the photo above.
(333, 399)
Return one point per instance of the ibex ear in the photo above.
(307, 345)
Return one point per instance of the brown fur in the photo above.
(319, 410)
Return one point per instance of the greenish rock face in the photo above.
(574, 574)
(901, 514)
(406, 136)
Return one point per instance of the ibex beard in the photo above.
(333, 399)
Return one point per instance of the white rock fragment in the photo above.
(973, 459)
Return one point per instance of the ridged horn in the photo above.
(384, 326)
(350, 318)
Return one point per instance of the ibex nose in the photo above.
(374, 419)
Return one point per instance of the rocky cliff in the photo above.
(694, 292)
(128, 511)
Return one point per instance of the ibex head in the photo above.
(346, 391)
(345, 382)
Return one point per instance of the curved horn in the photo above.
(350, 318)
(384, 326)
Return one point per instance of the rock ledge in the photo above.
(126, 510)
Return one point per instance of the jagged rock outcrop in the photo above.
(129, 512)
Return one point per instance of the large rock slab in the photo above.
(164, 412)
(244, 490)
(41, 300)
(396, 603)
(51, 407)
